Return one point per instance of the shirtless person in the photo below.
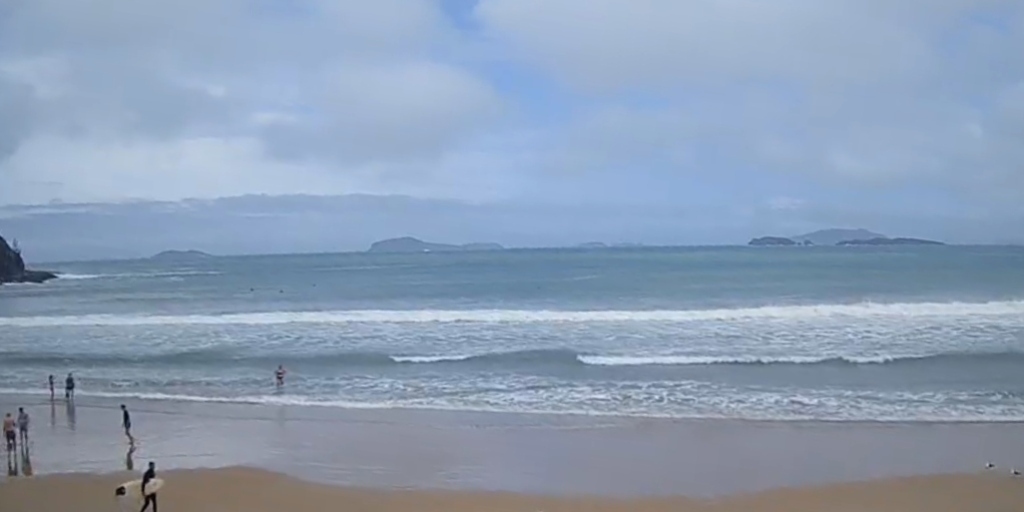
(279, 375)
(10, 435)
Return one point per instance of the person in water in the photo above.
(10, 437)
(51, 387)
(149, 475)
(23, 426)
(126, 422)
(279, 375)
(69, 387)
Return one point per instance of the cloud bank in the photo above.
(851, 106)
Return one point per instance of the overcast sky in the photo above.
(740, 116)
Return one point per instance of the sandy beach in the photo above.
(252, 490)
(218, 456)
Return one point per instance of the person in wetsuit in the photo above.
(146, 477)
(126, 422)
(69, 387)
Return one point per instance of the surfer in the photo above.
(69, 387)
(51, 387)
(146, 477)
(9, 436)
(279, 375)
(126, 422)
(23, 426)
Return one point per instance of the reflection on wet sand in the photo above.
(53, 414)
(129, 460)
(26, 461)
(71, 414)
(12, 463)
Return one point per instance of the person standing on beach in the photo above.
(146, 477)
(23, 426)
(10, 437)
(279, 375)
(126, 422)
(69, 387)
(51, 387)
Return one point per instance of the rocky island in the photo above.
(778, 241)
(174, 255)
(408, 244)
(840, 237)
(890, 241)
(12, 267)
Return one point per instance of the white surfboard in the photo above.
(132, 488)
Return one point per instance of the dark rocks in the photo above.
(12, 267)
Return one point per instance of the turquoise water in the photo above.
(930, 334)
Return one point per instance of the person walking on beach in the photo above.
(51, 387)
(69, 387)
(10, 437)
(126, 422)
(279, 375)
(23, 427)
(150, 474)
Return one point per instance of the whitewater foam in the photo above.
(135, 275)
(860, 311)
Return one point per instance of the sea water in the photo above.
(838, 334)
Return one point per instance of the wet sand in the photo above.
(525, 454)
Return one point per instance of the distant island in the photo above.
(188, 255)
(839, 237)
(890, 241)
(12, 267)
(407, 244)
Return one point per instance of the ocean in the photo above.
(787, 334)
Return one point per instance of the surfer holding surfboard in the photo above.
(143, 490)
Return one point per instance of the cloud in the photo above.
(846, 93)
(717, 105)
(193, 99)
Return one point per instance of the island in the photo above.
(188, 255)
(12, 266)
(890, 241)
(840, 237)
(772, 241)
(834, 236)
(407, 244)
(592, 245)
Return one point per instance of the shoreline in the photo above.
(256, 490)
(519, 453)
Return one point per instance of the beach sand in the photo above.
(253, 490)
(218, 456)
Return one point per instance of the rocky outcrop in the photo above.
(12, 267)
(771, 241)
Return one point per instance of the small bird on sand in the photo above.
(990, 465)
(1014, 472)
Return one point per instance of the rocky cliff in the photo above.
(12, 267)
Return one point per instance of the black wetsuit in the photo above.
(126, 422)
(150, 498)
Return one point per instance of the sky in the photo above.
(660, 121)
